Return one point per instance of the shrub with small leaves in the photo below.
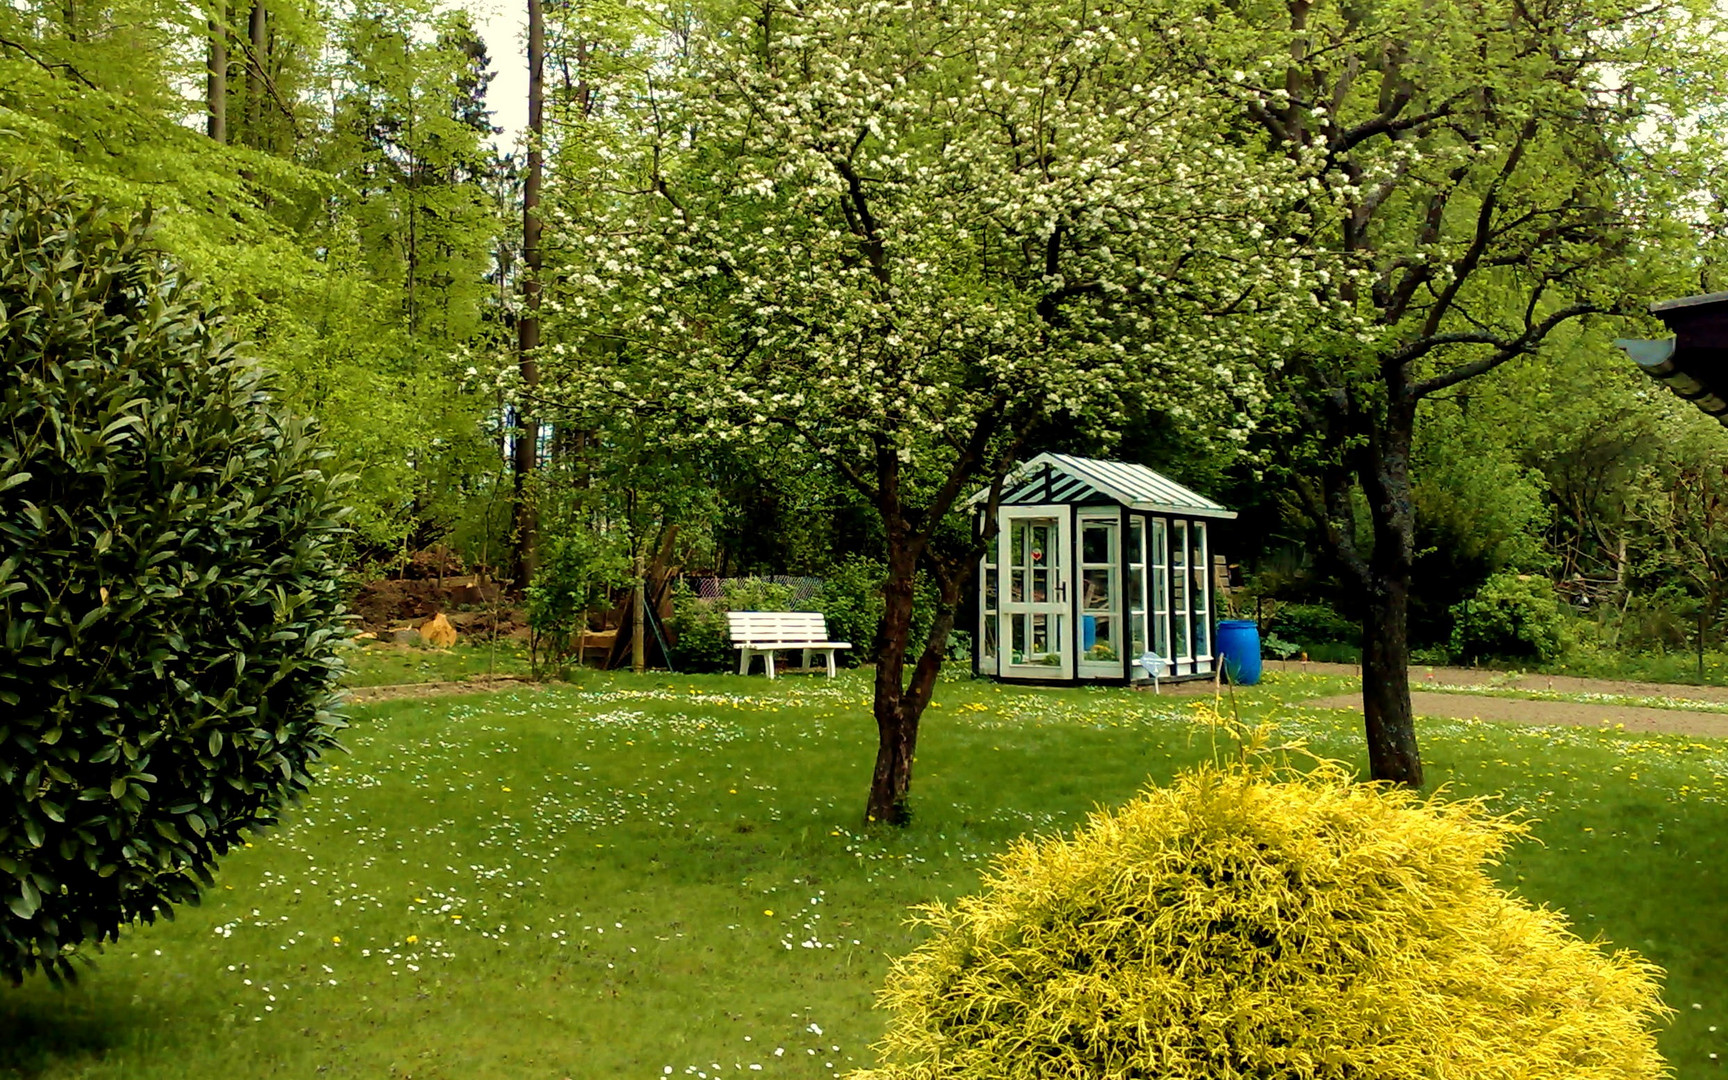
(1252, 922)
(1511, 617)
(169, 601)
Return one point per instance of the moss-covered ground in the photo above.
(666, 875)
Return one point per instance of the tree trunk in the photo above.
(901, 701)
(1386, 710)
(216, 78)
(639, 618)
(528, 325)
(258, 33)
(897, 714)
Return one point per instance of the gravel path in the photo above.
(1571, 713)
(1505, 680)
(362, 695)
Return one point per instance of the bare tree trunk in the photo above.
(896, 716)
(639, 618)
(528, 325)
(1386, 709)
(260, 43)
(216, 77)
(900, 701)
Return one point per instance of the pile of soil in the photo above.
(435, 582)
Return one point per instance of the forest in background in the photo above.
(328, 171)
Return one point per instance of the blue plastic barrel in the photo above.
(1239, 649)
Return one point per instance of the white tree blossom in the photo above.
(915, 237)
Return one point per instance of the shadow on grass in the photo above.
(56, 1030)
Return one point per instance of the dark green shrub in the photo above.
(1308, 625)
(1512, 616)
(170, 606)
(698, 632)
(698, 627)
(851, 601)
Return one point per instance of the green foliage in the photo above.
(171, 605)
(1250, 922)
(700, 642)
(1280, 648)
(578, 571)
(1511, 616)
(1315, 624)
(851, 602)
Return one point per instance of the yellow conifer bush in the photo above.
(1257, 921)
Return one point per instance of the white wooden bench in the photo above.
(760, 633)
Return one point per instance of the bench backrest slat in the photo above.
(750, 626)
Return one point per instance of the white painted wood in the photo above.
(760, 633)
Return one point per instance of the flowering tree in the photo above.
(909, 242)
(1487, 171)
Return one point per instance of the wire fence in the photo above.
(804, 589)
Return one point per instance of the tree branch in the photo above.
(1527, 342)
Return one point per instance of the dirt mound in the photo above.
(392, 601)
(433, 564)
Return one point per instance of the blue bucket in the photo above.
(1239, 650)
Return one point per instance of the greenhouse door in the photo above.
(1036, 593)
(1100, 655)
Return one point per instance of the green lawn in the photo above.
(635, 875)
(390, 665)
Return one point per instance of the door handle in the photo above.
(1061, 592)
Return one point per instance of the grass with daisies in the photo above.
(666, 876)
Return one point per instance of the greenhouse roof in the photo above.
(1063, 478)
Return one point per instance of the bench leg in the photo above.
(806, 658)
(830, 663)
(768, 661)
(743, 661)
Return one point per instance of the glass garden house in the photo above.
(1095, 563)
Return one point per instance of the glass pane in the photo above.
(992, 583)
(1040, 586)
(1019, 630)
(1095, 542)
(1179, 543)
(991, 630)
(1016, 589)
(1179, 623)
(1136, 538)
(1098, 639)
(1138, 623)
(1161, 634)
(1136, 588)
(1200, 636)
(1017, 548)
(1098, 587)
(1040, 545)
(1058, 633)
(1159, 541)
(1040, 635)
